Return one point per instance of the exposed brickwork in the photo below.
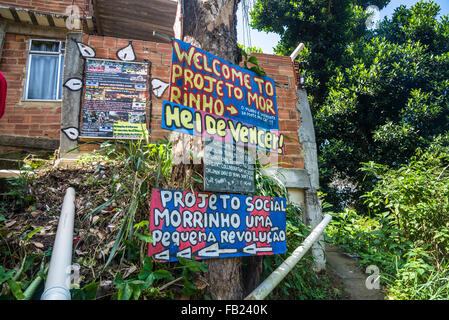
(38, 119)
(160, 56)
(24, 118)
(280, 68)
(50, 6)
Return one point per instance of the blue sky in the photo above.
(268, 41)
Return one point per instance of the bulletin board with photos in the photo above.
(115, 97)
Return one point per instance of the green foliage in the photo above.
(148, 277)
(268, 185)
(20, 284)
(375, 95)
(325, 27)
(88, 292)
(302, 282)
(390, 100)
(416, 198)
(18, 196)
(249, 49)
(407, 232)
(417, 280)
(133, 288)
(143, 166)
(253, 60)
(146, 165)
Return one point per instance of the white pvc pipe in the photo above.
(276, 277)
(57, 286)
(297, 51)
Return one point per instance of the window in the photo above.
(45, 66)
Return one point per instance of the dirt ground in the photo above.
(346, 274)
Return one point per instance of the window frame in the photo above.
(60, 53)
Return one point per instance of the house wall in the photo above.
(25, 118)
(43, 119)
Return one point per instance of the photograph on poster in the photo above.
(115, 98)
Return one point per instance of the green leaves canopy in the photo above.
(375, 95)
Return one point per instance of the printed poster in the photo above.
(115, 98)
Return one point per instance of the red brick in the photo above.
(156, 59)
(102, 52)
(22, 126)
(110, 42)
(121, 43)
(15, 118)
(52, 127)
(20, 38)
(149, 46)
(96, 42)
(36, 133)
(39, 118)
(164, 48)
(53, 119)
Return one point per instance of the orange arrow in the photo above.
(232, 110)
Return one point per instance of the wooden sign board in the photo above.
(200, 225)
(228, 168)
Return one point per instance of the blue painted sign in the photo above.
(199, 123)
(210, 84)
(195, 225)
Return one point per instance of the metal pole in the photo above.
(276, 277)
(297, 51)
(57, 286)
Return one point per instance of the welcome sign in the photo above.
(208, 83)
(196, 225)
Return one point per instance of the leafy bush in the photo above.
(407, 234)
(302, 282)
(415, 198)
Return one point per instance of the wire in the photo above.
(247, 6)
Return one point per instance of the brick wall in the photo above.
(281, 69)
(160, 54)
(24, 118)
(49, 6)
(42, 119)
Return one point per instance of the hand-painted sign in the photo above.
(195, 122)
(208, 83)
(228, 168)
(115, 99)
(196, 225)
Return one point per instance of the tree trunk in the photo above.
(212, 26)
